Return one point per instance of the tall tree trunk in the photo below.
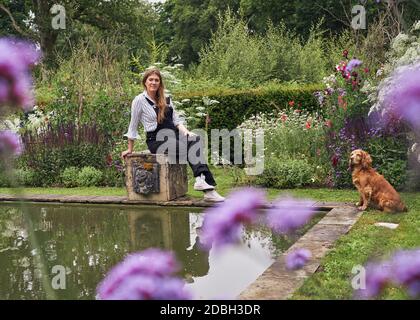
(47, 35)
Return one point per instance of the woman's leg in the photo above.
(195, 149)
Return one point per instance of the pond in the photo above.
(88, 240)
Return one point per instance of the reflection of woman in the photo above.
(156, 112)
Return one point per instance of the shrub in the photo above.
(89, 177)
(286, 173)
(236, 106)
(25, 177)
(69, 177)
(47, 152)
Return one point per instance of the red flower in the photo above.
(308, 125)
(346, 54)
(298, 111)
(291, 103)
(283, 118)
(366, 70)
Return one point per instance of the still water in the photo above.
(87, 240)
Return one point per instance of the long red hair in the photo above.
(160, 94)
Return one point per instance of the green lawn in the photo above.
(365, 241)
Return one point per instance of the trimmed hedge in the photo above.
(238, 105)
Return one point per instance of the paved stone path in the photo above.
(278, 283)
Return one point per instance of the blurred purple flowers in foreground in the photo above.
(16, 57)
(290, 214)
(400, 96)
(403, 269)
(297, 259)
(144, 276)
(10, 144)
(222, 224)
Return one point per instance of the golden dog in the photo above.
(373, 188)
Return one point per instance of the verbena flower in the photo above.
(222, 224)
(377, 278)
(10, 143)
(144, 275)
(16, 57)
(289, 214)
(297, 259)
(406, 270)
(403, 97)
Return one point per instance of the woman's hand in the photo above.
(125, 153)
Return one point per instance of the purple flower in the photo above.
(354, 63)
(16, 57)
(403, 98)
(10, 143)
(290, 214)
(222, 224)
(146, 287)
(377, 277)
(406, 270)
(297, 259)
(144, 275)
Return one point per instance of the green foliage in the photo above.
(25, 177)
(89, 177)
(235, 106)
(235, 54)
(69, 177)
(286, 173)
(112, 177)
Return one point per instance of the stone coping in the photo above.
(181, 202)
(278, 283)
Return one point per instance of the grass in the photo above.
(363, 243)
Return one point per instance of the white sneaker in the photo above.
(213, 196)
(201, 184)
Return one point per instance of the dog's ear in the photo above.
(366, 160)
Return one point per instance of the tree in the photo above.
(130, 19)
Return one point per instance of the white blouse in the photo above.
(142, 111)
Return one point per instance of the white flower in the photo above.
(416, 26)
(414, 147)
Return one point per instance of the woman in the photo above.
(157, 115)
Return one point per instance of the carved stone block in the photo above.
(150, 177)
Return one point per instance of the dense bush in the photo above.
(69, 177)
(236, 106)
(236, 56)
(89, 177)
(50, 151)
(286, 173)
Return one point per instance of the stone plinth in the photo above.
(150, 177)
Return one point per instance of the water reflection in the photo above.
(88, 240)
